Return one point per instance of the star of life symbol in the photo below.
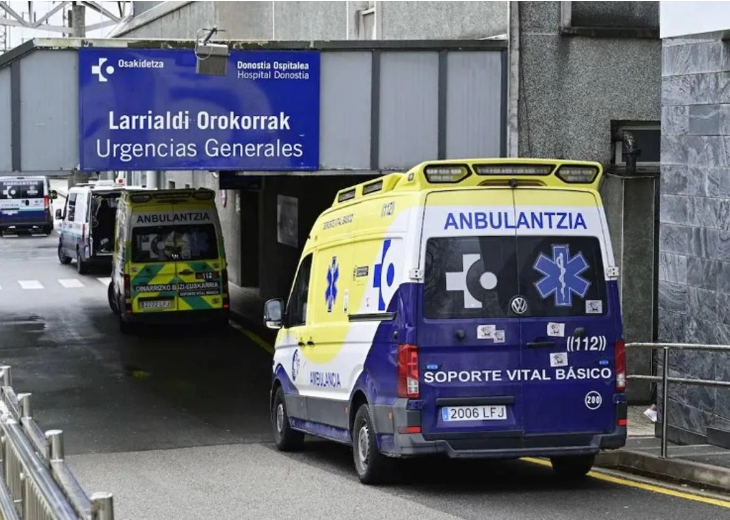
(456, 281)
(99, 70)
(333, 273)
(562, 276)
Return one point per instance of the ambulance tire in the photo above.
(572, 468)
(112, 298)
(65, 260)
(48, 230)
(372, 467)
(81, 266)
(286, 438)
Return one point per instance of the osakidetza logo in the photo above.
(103, 70)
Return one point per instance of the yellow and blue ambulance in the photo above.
(465, 307)
(169, 263)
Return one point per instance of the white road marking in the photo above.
(70, 283)
(105, 281)
(30, 284)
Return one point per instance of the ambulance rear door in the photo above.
(153, 269)
(569, 323)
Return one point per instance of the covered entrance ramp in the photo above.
(284, 128)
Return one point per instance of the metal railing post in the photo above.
(665, 399)
(102, 506)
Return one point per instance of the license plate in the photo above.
(155, 304)
(474, 413)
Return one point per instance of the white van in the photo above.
(87, 224)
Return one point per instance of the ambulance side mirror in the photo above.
(54, 194)
(273, 313)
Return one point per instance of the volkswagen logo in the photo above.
(518, 305)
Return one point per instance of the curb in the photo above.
(674, 470)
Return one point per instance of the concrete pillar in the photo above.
(629, 205)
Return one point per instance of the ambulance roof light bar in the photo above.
(577, 174)
(513, 169)
(446, 173)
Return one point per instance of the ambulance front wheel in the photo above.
(286, 438)
(573, 468)
(65, 260)
(372, 466)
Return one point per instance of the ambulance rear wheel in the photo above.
(286, 438)
(65, 260)
(372, 466)
(112, 298)
(81, 266)
(573, 468)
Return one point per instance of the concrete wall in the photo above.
(572, 87)
(695, 228)
(283, 20)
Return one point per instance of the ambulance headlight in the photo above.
(577, 174)
(444, 173)
(513, 169)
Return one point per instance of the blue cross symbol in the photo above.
(378, 275)
(333, 273)
(562, 275)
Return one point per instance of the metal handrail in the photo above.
(665, 379)
(35, 481)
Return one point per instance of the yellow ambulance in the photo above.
(169, 261)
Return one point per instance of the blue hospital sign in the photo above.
(149, 110)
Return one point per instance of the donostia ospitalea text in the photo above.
(185, 121)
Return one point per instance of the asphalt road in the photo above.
(174, 423)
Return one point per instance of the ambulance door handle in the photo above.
(310, 343)
(301, 344)
(540, 344)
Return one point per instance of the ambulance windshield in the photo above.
(173, 243)
(21, 189)
(477, 277)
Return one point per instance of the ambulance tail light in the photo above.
(47, 202)
(408, 371)
(619, 354)
(127, 287)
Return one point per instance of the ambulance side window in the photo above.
(71, 207)
(296, 309)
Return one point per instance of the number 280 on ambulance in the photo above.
(465, 307)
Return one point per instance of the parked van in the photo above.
(25, 204)
(169, 261)
(87, 224)
(467, 308)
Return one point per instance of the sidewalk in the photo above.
(700, 465)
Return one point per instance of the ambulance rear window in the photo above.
(172, 243)
(21, 189)
(477, 277)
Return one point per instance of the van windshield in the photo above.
(171, 243)
(21, 189)
(477, 277)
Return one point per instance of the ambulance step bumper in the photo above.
(510, 448)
